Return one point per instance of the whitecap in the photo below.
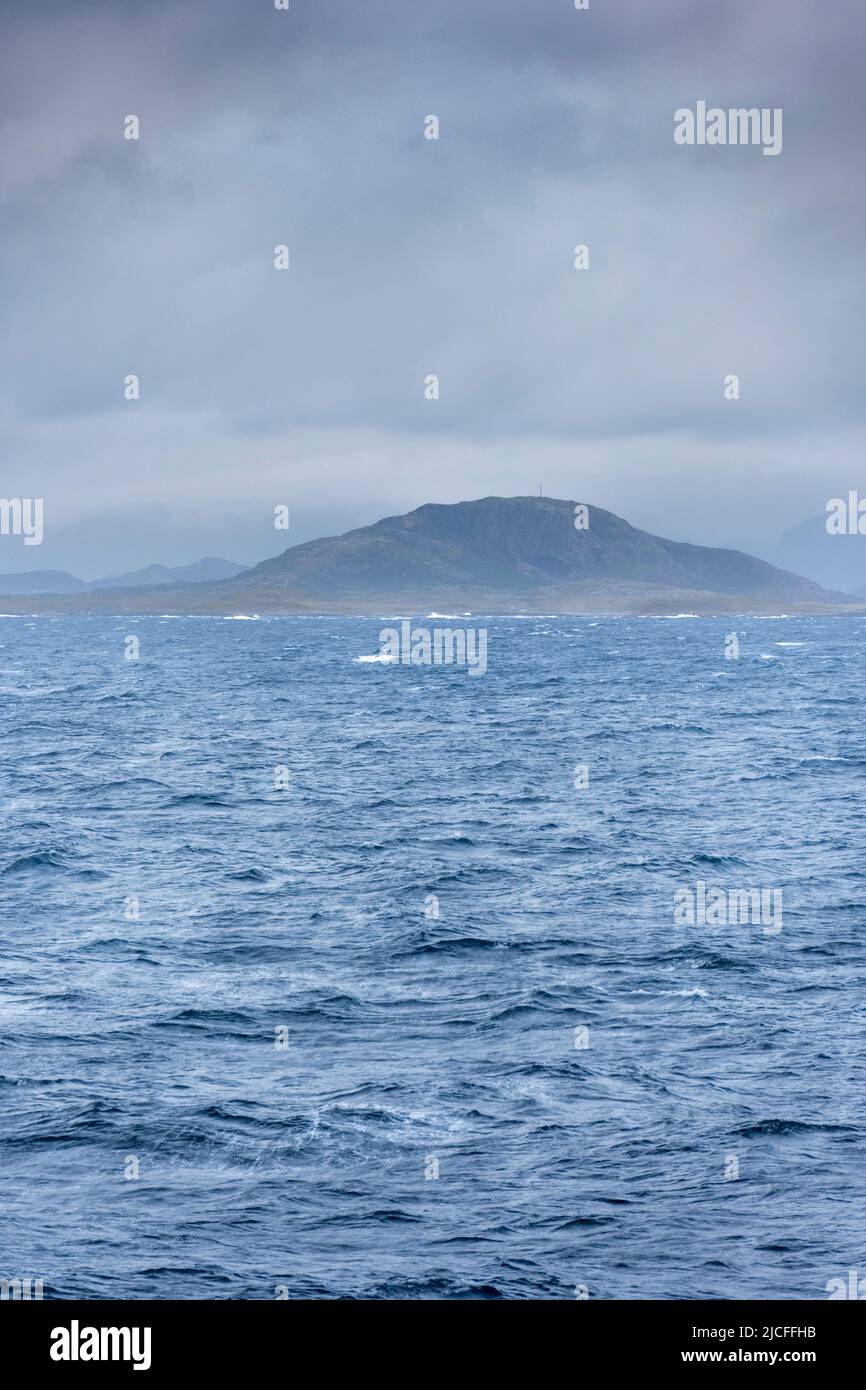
(697, 992)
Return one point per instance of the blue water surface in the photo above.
(708, 1142)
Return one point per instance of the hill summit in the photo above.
(527, 549)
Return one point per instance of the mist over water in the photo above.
(414, 1037)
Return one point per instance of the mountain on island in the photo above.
(497, 554)
(42, 582)
(517, 546)
(836, 561)
(60, 582)
(202, 572)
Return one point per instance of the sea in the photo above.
(326, 977)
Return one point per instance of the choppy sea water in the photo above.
(706, 1138)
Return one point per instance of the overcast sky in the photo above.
(412, 256)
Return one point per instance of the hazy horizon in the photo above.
(93, 571)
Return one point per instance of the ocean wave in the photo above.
(50, 860)
(429, 1010)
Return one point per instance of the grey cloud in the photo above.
(411, 257)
